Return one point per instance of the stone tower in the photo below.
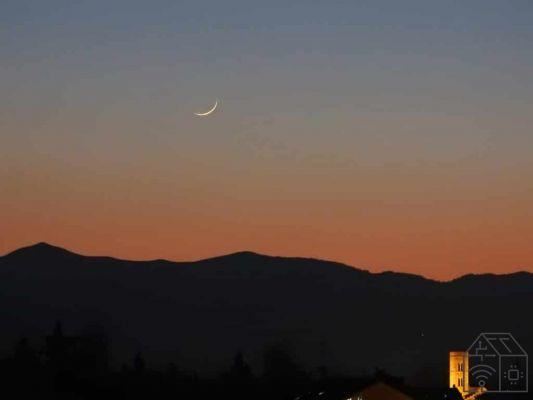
(459, 371)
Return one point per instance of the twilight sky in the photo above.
(384, 134)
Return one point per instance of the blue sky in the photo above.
(314, 94)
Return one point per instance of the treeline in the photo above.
(78, 367)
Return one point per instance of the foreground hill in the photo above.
(200, 313)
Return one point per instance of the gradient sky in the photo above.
(390, 135)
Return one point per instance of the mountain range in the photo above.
(199, 314)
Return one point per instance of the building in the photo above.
(459, 372)
(379, 389)
(459, 369)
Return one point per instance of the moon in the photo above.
(208, 112)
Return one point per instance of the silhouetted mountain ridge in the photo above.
(200, 312)
(41, 249)
(44, 249)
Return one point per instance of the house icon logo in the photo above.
(497, 363)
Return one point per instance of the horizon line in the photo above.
(61, 248)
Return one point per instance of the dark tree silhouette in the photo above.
(240, 371)
(139, 365)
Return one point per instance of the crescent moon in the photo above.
(208, 112)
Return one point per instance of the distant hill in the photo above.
(200, 313)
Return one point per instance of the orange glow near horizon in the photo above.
(457, 225)
(387, 137)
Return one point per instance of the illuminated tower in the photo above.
(459, 371)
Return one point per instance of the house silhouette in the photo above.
(498, 363)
